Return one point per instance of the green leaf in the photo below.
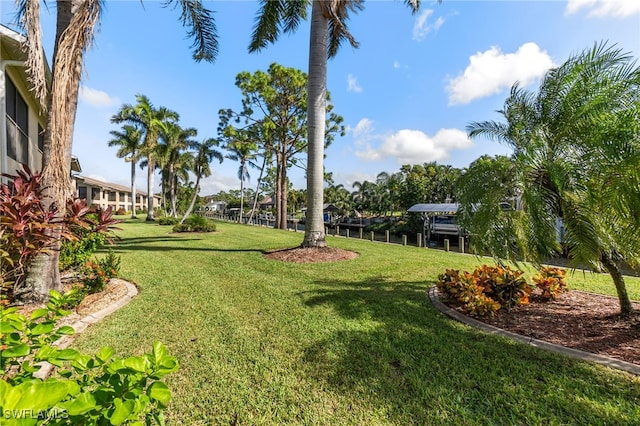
(66, 330)
(84, 403)
(6, 327)
(137, 363)
(39, 313)
(16, 351)
(43, 328)
(68, 354)
(104, 354)
(159, 392)
(38, 395)
(122, 411)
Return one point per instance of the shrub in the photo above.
(121, 211)
(195, 223)
(485, 291)
(168, 221)
(74, 254)
(98, 389)
(551, 282)
(97, 274)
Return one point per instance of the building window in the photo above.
(112, 196)
(40, 138)
(82, 192)
(95, 193)
(17, 124)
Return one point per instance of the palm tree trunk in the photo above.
(241, 193)
(75, 23)
(193, 200)
(618, 281)
(172, 191)
(314, 235)
(150, 183)
(133, 189)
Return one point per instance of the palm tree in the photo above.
(175, 141)
(205, 153)
(576, 150)
(152, 120)
(76, 21)
(242, 150)
(328, 32)
(129, 139)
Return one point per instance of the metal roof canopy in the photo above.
(435, 208)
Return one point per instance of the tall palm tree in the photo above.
(175, 140)
(152, 120)
(576, 146)
(328, 31)
(76, 21)
(205, 154)
(243, 151)
(129, 139)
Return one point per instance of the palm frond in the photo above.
(202, 28)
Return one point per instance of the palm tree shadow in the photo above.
(397, 351)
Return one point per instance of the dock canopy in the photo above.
(434, 208)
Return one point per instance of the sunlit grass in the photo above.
(351, 342)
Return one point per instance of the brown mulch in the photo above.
(311, 255)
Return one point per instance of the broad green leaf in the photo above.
(137, 363)
(122, 411)
(66, 330)
(159, 392)
(7, 327)
(68, 354)
(84, 403)
(104, 354)
(39, 313)
(16, 351)
(38, 395)
(43, 328)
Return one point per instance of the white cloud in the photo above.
(363, 130)
(490, 72)
(396, 64)
(415, 147)
(422, 27)
(97, 98)
(604, 8)
(352, 84)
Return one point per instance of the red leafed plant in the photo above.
(551, 282)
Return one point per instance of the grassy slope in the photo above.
(353, 342)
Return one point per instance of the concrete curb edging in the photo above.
(81, 324)
(490, 329)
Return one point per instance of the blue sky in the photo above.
(406, 94)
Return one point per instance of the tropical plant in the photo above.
(243, 151)
(76, 22)
(328, 31)
(576, 144)
(129, 141)
(205, 153)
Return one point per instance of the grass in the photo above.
(352, 342)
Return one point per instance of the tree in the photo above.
(76, 21)
(328, 31)
(205, 153)
(172, 157)
(129, 139)
(576, 144)
(274, 110)
(152, 120)
(242, 150)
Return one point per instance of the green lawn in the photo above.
(353, 342)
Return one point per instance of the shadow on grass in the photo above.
(148, 244)
(398, 352)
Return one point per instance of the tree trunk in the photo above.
(618, 281)
(241, 192)
(278, 189)
(75, 23)
(255, 198)
(172, 191)
(193, 200)
(150, 183)
(316, 112)
(133, 189)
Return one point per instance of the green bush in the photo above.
(74, 254)
(195, 223)
(168, 221)
(87, 389)
(96, 274)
